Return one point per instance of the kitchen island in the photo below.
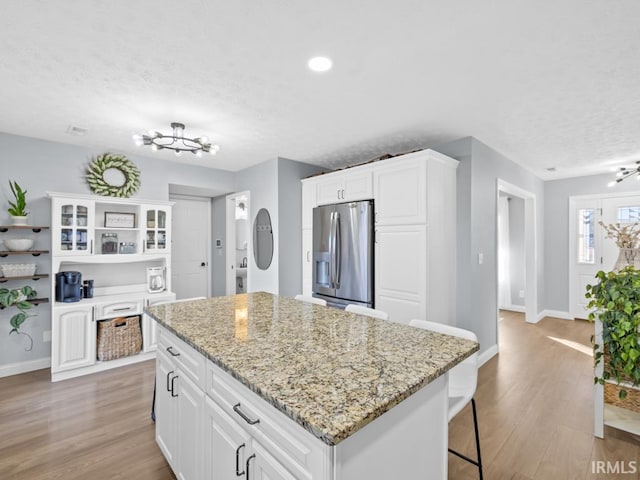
(262, 386)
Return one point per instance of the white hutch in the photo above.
(111, 241)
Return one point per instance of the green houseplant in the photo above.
(18, 298)
(615, 300)
(18, 208)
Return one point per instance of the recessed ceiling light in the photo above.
(320, 64)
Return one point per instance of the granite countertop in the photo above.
(330, 371)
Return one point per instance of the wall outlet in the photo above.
(521, 294)
(46, 336)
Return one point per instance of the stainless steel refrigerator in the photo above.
(343, 253)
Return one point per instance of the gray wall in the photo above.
(479, 170)
(290, 215)
(218, 255)
(41, 166)
(556, 217)
(516, 249)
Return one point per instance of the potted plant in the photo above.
(615, 301)
(19, 299)
(18, 208)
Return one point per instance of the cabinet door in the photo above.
(345, 187)
(166, 409)
(308, 202)
(400, 193)
(72, 226)
(75, 338)
(150, 326)
(190, 428)
(157, 229)
(226, 444)
(307, 264)
(263, 466)
(401, 272)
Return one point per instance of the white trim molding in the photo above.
(24, 367)
(514, 308)
(487, 355)
(555, 314)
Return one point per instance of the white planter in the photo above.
(19, 221)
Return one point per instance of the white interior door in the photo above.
(191, 246)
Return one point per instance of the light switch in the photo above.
(480, 258)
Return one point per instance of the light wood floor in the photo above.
(534, 403)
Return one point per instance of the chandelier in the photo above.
(176, 142)
(626, 172)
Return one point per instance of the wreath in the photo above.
(107, 161)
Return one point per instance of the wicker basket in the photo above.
(119, 337)
(630, 402)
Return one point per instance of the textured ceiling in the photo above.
(548, 84)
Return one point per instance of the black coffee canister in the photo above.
(88, 288)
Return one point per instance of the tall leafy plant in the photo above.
(615, 300)
(18, 208)
(18, 298)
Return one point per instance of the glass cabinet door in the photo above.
(158, 225)
(74, 225)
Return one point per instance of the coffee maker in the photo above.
(68, 287)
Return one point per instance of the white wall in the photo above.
(480, 168)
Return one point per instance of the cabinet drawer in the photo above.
(294, 447)
(190, 361)
(118, 309)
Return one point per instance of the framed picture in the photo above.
(119, 220)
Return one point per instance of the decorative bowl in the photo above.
(18, 244)
(18, 269)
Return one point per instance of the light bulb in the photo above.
(137, 139)
(198, 153)
(154, 147)
(320, 64)
(178, 153)
(611, 183)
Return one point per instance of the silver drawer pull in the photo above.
(121, 309)
(236, 408)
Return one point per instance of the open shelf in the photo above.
(35, 228)
(622, 419)
(35, 253)
(24, 277)
(34, 301)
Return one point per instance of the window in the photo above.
(586, 227)
(628, 214)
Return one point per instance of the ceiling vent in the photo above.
(75, 130)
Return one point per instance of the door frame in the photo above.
(177, 197)
(530, 249)
(230, 239)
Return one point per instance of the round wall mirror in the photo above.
(262, 239)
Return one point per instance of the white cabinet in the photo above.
(73, 338)
(415, 221)
(308, 203)
(72, 226)
(157, 231)
(307, 261)
(400, 192)
(180, 406)
(111, 241)
(150, 326)
(348, 186)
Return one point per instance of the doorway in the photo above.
(238, 258)
(191, 246)
(511, 258)
(526, 287)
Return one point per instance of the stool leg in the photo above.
(153, 403)
(475, 426)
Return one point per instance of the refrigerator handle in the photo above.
(332, 248)
(338, 250)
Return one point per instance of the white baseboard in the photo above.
(555, 314)
(23, 367)
(487, 355)
(514, 308)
